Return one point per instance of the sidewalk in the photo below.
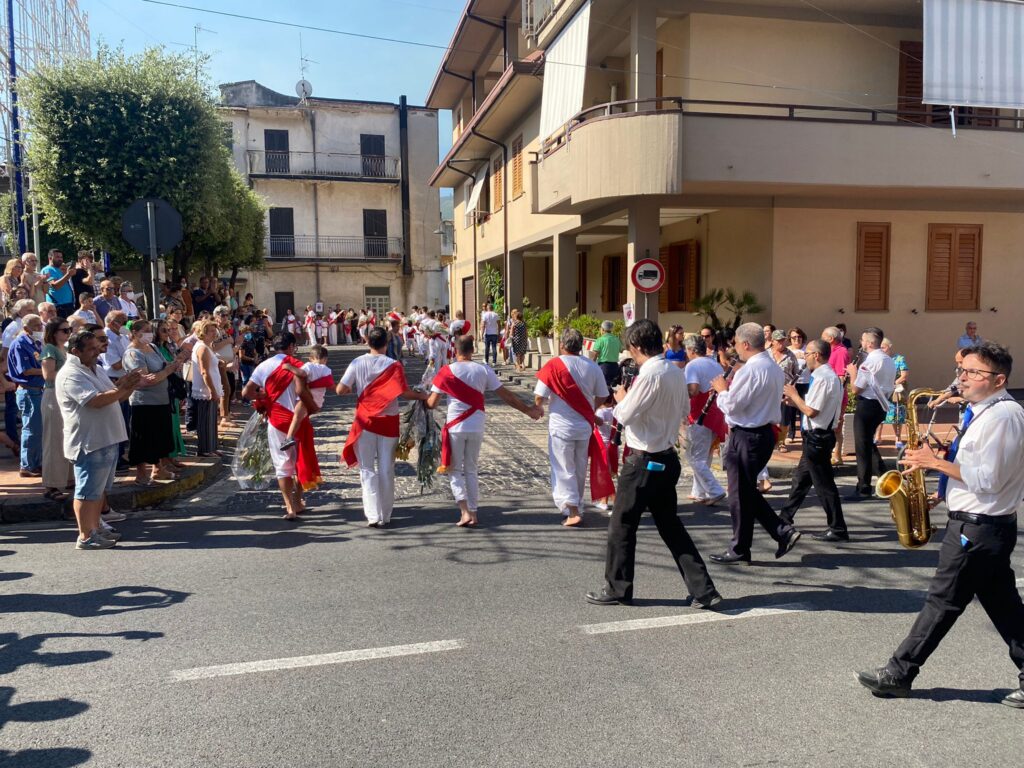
(21, 498)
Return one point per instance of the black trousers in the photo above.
(815, 469)
(611, 373)
(866, 418)
(746, 454)
(978, 567)
(640, 490)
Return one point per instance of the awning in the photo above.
(974, 53)
(565, 69)
(474, 196)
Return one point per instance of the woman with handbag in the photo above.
(177, 387)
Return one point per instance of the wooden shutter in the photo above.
(954, 267)
(872, 267)
(498, 176)
(911, 85)
(621, 277)
(581, 272)
(669, 288)
(517, 167)
(606, 297)
(689, 282)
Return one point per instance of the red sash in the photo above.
(381, 392)
(714, 419)
(307, 468)
(557, 378)
(455, 387)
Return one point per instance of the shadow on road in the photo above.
(96, 602)
(59, 757)
(978, 696)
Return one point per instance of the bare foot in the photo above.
(573, 520)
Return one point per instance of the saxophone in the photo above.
(908, 498)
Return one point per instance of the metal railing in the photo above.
(988, 120)
(535, 13)
(331, 164)
(341, 248)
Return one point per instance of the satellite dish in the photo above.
(304, 89)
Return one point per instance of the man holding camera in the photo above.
(651, 412)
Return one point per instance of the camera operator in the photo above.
(651, 411)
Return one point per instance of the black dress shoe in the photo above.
(729, 557)
(830, 535)
(604, 597)
(884, 684)
(708, 602)
(1015, 699)
(787, 542)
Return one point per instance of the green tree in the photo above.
(713, 303)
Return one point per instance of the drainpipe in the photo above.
(403, 134)
(316, 211)
(504, 213)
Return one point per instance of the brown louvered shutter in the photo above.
(669, 288)
(517, 167)
(499, 178)
(872, 267)
(954, 267)
(690, 282)
(911, 84)
(967, 268)
(941, 244)
(606, 297)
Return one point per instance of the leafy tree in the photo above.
(494, 288)
(711, 304)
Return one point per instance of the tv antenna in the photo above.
(195, 42)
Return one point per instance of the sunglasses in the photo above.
(63, 330)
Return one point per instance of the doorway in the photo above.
(283, 301)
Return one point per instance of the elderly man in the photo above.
(47, 312)
(970, 337)
(574, 386)
(873, 384)
(88, 402)
(58, 276)
(838, 359)
(111, 360)
(751, 404)
(25, 370)
(606, 352)
(107, 300)
(21, 309)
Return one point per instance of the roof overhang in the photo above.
(517, 90)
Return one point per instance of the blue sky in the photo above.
(340, 66)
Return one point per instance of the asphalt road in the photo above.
(429, 645)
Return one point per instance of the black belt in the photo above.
(753, 429)
(970, 517)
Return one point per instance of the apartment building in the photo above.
(351, 219)
(780, 147)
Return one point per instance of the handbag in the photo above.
(176, 387)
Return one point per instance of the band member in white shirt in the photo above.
(820, 409)
(705, 420)
(751, 404)
(873, 384)
(651, 412)
(984, 473)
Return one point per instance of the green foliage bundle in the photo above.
(539, 322)
(494, 287)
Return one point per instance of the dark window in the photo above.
(375, 234)
(282, 232)
(371, 147)
(681, 262)
(613, 283)
(275, 145)
(228, 135)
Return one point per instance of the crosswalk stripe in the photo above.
(692, 618)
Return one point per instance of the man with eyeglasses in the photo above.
(983, 483)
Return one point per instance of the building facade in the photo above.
(351, 219)
(777, 147)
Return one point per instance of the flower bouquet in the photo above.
(251, 465)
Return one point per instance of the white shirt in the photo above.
(754, 398)
(876, 377)
(87, 429)
(437, 352)
(655, 406)
(116, 347)
(11, 332)
(86, 314)
(482, 378)
(199, 389)
(991, 460)
(605, 413)
(263, 371)
(826, 397)
(489, 320)
(563, 421)
(362, 371)
(130, 308)
(456, 328)
(702, 371)
(315, 372)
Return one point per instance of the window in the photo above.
(227, 134)
(954, 266)
(483, 205)
(275, 144)
(910, 97)
(458, 122)
(498, 177)
(517, 167)
(371, 147)
(282, 231)
(377, 299)
(375, 234)
(613, 283)
(682, 276)
(467, 213)
(872, 267)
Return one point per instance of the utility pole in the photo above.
(19, 192)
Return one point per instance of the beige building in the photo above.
(351, 217)
(778, 147)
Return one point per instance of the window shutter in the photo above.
(872, 267)
(690, 284)
(499, 179)
(622, 278)
(911, 84)
(606, 297)
(967, 268)
(941, 242)
(669, 288)
(954, 267)
(517, 167)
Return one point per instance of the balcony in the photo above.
(800, 152)
(536, 13)
(323, 166)
(334, 248)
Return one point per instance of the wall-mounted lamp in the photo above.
(841, 311)
(992, 309)
(913, 311)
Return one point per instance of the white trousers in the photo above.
(463, 473)
(311, 334)
(332, 335)
(698, 452)
(376, 457)
(568, 471)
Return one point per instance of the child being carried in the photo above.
(318, 378)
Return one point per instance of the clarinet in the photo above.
(707, 407)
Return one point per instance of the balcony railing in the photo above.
(336, 248)
(535, 13)
(963, 117)
(323, 164)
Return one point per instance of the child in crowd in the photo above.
(605, 422)
(318, 378)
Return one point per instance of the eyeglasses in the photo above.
(706, 336)
(63, 330)
(974, 374)
(796, 337)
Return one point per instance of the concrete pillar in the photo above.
(643, 51)
(515, 280)
(643, 242)
(565, 273)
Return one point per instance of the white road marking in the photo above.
(692, 618)
(296, 662)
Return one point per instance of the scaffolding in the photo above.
(33, 34)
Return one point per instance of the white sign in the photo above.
(319, 307)
(628, 314)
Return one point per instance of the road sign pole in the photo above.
(154, 305)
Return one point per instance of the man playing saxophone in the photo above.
(982, 482)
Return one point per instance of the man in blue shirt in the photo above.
(107, 301)
(25, 369)
(61, 291)
(204, 299)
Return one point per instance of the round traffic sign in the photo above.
(648, 275)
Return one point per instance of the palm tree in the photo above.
(710, 304)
